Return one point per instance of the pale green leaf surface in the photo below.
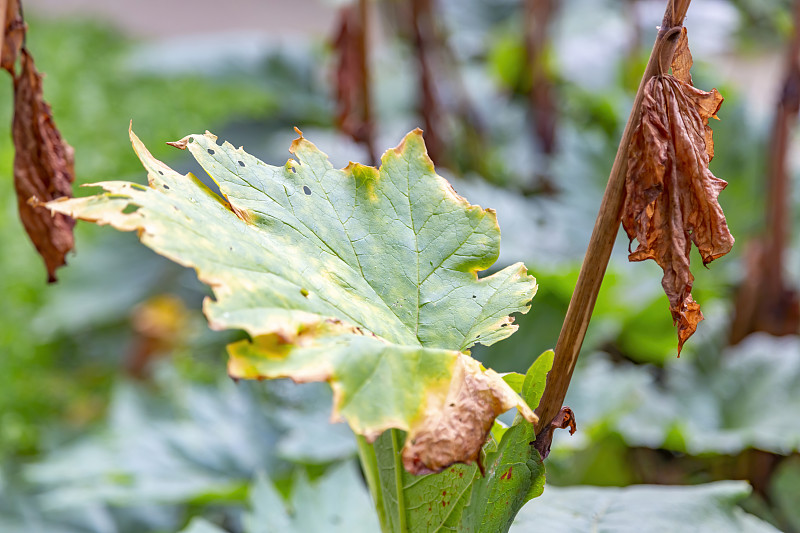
(336, 502)
(651, 508)
(201, 525)
(365, 278)
(433, 502)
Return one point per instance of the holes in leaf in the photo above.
(294, 171)
(210, 151)
(161, 172)
(241, 163)
(165, 186)
(191, 139)
(306, 190)
(474, 296)
(130, 208)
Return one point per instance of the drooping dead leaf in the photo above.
(682, 59)
(353, 109)
(13, 28)
(671, 195)
(43, 168)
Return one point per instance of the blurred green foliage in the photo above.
(643, 416)
(46, 381)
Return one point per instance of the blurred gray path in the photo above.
(170, 18)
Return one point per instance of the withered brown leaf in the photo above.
(671, 195)
(13, 28)
(682, 59)
(43, 168)
(351, 72)
(454, 430)
(563, 420)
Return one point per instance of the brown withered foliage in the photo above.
(353, 106)
(43, 161)
(670, 194)
(565, 419)
(455, 431)
(13, 35)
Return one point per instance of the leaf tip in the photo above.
(181, 144)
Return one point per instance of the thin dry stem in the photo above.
(3, 10)
(604, 234)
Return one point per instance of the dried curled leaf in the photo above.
(671, 195)
(351, 74)
(565, 419)
(13, 28)
(43, 168)
(682, 59)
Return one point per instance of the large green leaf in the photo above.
(365, 278)
(655, 509)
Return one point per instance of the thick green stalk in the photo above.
(369, 464)
(398, 482)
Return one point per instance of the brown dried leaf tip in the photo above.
(670, 194)
(43, 161)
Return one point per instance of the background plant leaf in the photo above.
(723, 404)
(656, 509)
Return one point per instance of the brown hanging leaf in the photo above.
(671, 195)
(353, 110)
(43, 168)
(682, 59)
(13, 34)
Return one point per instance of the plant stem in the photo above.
(398, 482)
(766, 301)
(369, 464)
(366, 100)
(3, 9)
(604, 234)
